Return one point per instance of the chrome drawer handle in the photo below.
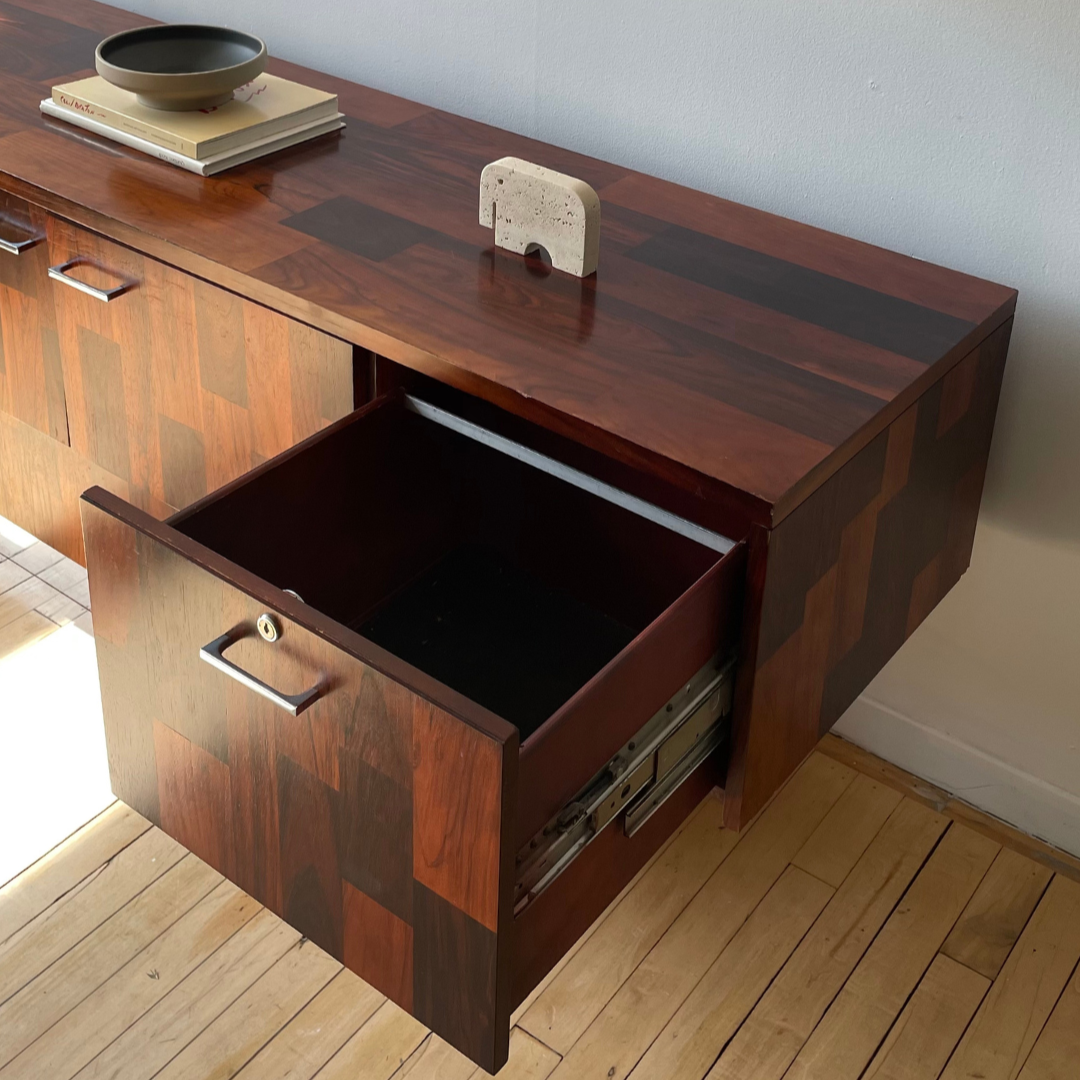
(60, 273)
(214, 655)
(17, 247)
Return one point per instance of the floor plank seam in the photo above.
(742, 837)
(537, 1038)
(630, 974)
(963, 1034)
(68, 896)
(918, 983)
(1049, 1013)
(870, 945)
(81, 883)
(352, 1034)
(776, 975)
(60, 843)
(108, 918)
(405, 1068)
(213, 952)
(94, 989)
(900, 1012)
(1020, 934)
(326, 1064)
(259, 1049)
(211, 1021)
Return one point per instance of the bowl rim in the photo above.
(137, 31)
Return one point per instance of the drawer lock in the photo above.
(636, 781)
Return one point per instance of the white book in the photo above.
(209, 166)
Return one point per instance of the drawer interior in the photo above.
(497, 633)
(510, 584)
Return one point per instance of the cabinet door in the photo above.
(175, 386)
(31, 381)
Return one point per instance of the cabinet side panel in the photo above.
(858, 566)
(376, 823)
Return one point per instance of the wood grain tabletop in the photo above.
(743, 356)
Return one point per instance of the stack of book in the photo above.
(265, 115)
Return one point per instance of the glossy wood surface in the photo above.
(841, 584)
(376, 823)
(31, 378)
(172, 389)
(177, 387)
(742, 355)
(41, 480)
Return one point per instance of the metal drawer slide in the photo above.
(638, 779)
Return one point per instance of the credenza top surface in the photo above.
(749, 351)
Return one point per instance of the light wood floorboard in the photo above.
(987, 931)
(865, 927)
(1056, 1055)
(922, 1039)
(1011, 1017)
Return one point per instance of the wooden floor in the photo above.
(864, 926)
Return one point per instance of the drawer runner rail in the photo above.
(637, 780)
(570, 475)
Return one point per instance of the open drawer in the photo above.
(431, 697)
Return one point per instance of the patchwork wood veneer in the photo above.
(851, 573)
(372, 823)
(825, 404)
(171, 390)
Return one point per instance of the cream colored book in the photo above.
(258, 110)
(207, 166)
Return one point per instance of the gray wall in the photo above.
(950, 131)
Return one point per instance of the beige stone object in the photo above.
(531, 207)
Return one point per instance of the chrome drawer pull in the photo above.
(59, 273)
(17, 247)
(214, 655)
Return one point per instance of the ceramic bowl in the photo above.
(181, 68)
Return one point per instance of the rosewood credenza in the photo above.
(432, 589)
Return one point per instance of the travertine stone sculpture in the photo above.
(530, 207)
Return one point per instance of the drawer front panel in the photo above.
(31, 379)
(374, 822)
(41, 480)
(172, 388)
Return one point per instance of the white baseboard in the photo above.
(1024, 801)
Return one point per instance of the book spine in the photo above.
(50, 108)
(267, 129)
(119, 122)
(213, 166)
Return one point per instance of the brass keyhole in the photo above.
(268, 627)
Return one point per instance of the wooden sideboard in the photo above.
(531, 518)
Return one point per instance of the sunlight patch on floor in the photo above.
(16, 537)
(54, 774)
